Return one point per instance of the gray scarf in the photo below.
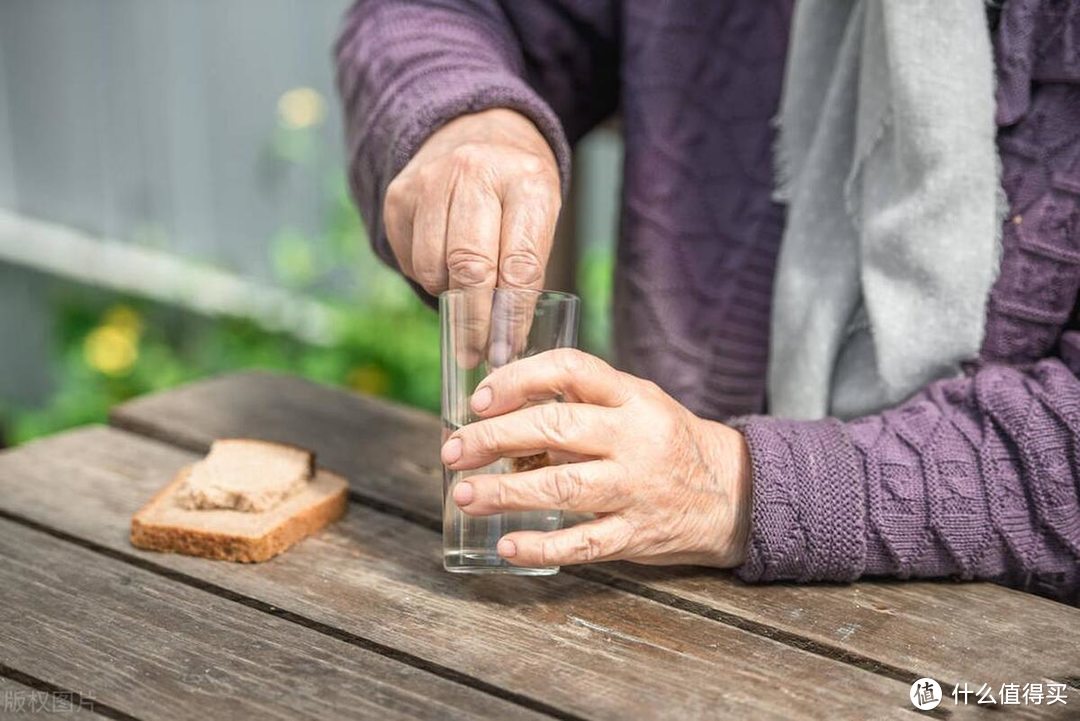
(887, 161)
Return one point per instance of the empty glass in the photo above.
(483, 329)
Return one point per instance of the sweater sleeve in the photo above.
(406, 67)
(974, 478)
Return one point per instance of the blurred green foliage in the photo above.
(394, 354)
(595, 275)
(111, 348)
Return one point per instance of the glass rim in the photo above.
(542, 293)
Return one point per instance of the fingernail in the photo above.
(500, 353)
(481, 399)
(469, 359)
(506, 548)
(463, 493)
(451, 451)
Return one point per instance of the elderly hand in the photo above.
(666, 486)
(476, 206)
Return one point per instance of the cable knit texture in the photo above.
(974, 477)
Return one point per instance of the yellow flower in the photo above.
(301, 108)
(370, 379)
(111, 349)
(124, 317)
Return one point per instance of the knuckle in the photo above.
(649, 391)
(425, 175)
(483, 439)
(650, 388)
(591, 547)
(624, 539)
(502, 494)
(572, 361)
(559, 424)
(396, 193)
(522, 268)
(431, 279)
(469, 158)
(532, 163)
(548, 552)
(470, 267)
(565, 485)
(540, 186)
(622, 484)
(539, 176)
(396, 216)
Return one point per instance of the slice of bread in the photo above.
(246, 475)
(232, 535)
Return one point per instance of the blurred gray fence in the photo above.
(152, 122)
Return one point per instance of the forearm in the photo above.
(973, 478)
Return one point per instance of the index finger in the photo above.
(566, 373)
(578, 428)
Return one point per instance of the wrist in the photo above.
(743, 497)
(731, 471)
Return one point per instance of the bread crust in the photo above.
(225, 546)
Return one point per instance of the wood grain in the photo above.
(584, 648)
(158, 649)
(953, 632)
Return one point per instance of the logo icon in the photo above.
(925, 694)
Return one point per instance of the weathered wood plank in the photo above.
(584, 648)
(950, 631)
(158, 649)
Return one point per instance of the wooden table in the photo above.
(361, 620)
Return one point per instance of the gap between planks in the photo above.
(367, 644)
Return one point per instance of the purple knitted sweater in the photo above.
(974, 477)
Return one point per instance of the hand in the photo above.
(476, 206)
(666, 486)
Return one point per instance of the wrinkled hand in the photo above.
(666, 486)
(476, 206)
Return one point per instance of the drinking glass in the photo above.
(483, 329)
